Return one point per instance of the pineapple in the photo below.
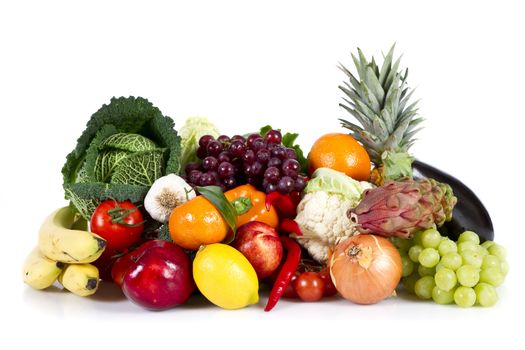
(378, 100)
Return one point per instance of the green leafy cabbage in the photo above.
(125, 147)
(192, 130)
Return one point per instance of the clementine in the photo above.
(340, 152)
(197, 223)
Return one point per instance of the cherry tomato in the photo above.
(329, 287)
(290, 292)
(309, 286)
(119, 223)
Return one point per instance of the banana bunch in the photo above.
(65, 249)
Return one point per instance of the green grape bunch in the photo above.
(465, 272)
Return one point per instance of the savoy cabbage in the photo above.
(125, 147)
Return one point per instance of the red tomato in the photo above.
(329, 287)
(290, 292)
(120, 224)
(309, 286)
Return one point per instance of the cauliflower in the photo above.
(324, 223)
(321, 214)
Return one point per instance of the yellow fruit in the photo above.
(225, 277)
(58, 241)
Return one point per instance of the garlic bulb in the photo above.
(165, 194)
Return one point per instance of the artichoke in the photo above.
(401, 208)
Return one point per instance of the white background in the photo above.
(244, 65)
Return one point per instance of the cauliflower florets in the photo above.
(323, 220)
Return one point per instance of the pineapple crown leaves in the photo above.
(378, 99)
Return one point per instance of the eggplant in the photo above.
(469, 212)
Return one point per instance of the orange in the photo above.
(197, 223)
(340, 152)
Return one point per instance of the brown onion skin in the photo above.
(365, 285)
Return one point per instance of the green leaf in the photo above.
(215, 195)
(289, 139)
(358, 66)
(387, 65)
(396, 165)
(388, 117)
(404, 97)
(392, 74)
(373, 83)
(365, 110)
(355, 83)
(264, 130)
(90, 167)
(164, 233)
(380, 129)
(141, 168)
(361, 118)
(128, 142)
(106, 164)
(394, 140)
(374, 67)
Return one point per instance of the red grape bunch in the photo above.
(260, 161)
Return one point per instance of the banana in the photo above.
(59, 242)
(80, 279)
(39, 271)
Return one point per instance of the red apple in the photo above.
(261, 245)
(160, 278)
(123, 263)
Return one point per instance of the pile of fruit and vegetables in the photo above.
(165, 214)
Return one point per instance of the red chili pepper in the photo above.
(285, 205)
(289, 225)
(296, 197)
(293, 258)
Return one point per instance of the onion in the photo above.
(365, 269)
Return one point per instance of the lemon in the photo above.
(225, 277)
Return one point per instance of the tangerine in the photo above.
(340, 152)
(195, 223)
